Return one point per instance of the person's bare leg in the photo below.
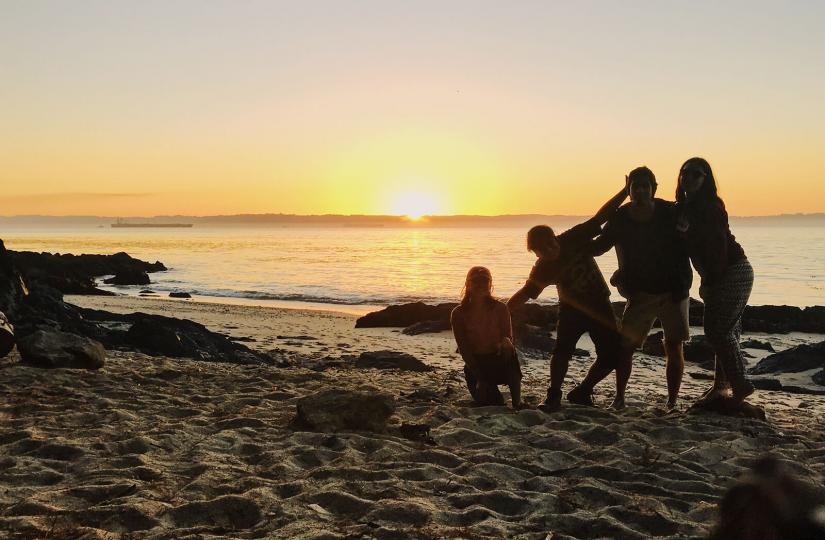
(508, 352)
(674, 368)
(624, 366)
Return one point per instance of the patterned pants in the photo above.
(724, 304)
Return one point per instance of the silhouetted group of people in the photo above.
(656, 241)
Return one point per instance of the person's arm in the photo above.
(522, 296)
(505, 322)
(606, 240)
(716, 243)
(610, 207)
(462, 340)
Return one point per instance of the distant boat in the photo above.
(121, 224)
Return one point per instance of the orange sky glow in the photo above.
(369, 108)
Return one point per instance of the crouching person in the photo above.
(482, 329)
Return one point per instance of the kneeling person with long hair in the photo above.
(482, 329)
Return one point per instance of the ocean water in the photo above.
(356, 269)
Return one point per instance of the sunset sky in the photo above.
(376, 107)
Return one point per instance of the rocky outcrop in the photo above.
(793, 360)
(179, 295)
(74, 274)
(419, 317)
(54, 349)
(390, 360)
(129, 277)
(345, 410)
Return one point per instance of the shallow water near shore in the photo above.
(368, 267)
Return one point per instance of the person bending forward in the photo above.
(584, 301)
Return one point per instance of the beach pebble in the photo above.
(54, 349)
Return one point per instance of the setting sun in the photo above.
(415, 204)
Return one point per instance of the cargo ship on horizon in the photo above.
(121, 224)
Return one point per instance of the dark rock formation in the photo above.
(12, 286)
(129, 277)
(391, 360)
(6, 335)
(756, 344)
(654, 344)
(342, 410)
(819, 378)
(774, 319)
(793, 360)
(766, 384)
(53, 349)
(179, 295)
(405, 315)
(426, 327)
(74, 274)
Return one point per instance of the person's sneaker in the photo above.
(581, 396)
(552, 402)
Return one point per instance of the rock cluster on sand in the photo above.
(346, 410)
(794, 360)
(52, 349)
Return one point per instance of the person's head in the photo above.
(542, 241)
(478, 284)
(641, 184)
(696, 182)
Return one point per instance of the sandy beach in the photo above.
(154, 447)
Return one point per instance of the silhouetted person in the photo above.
(484, 334)
(654, 276)
(584, 301)
(727, 279)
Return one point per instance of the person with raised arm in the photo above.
(654, 276)
(565, 260)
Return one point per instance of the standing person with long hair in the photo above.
(727, 279)
(484, 334)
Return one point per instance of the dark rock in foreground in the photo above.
(405, 315)
(179, 295)
(819, 378)
(53, 349)
(342, 410)
(391, 360)
(426, 327)
(794, 360)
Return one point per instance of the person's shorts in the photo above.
(642, 309)
(595, 318)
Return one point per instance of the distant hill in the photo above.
(332, 220)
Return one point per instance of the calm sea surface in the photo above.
(359, 268)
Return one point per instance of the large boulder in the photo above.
(391, 360)
(336, 409)
(129, 277)
(819, 378)
(405, 315)
(6, 335)
(793, 360)
(54, 349)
